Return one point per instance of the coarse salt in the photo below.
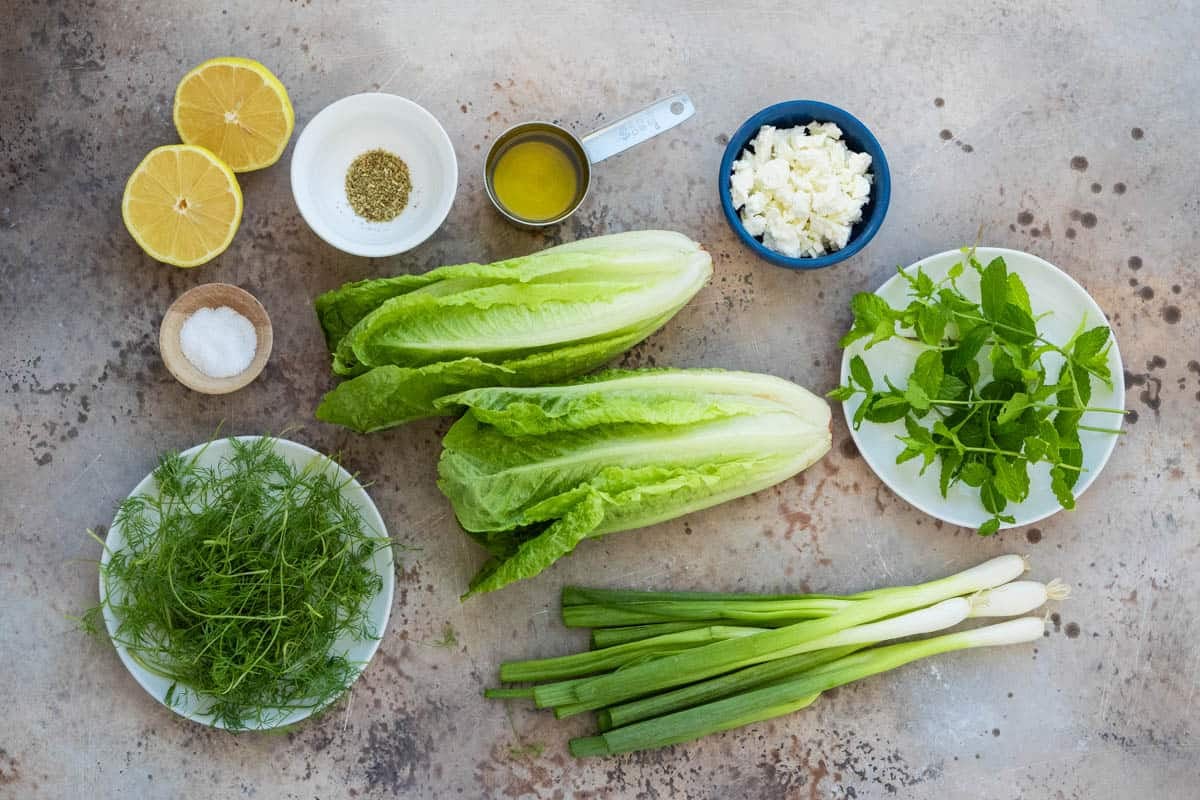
(219, 342)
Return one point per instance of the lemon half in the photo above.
(236, 108)
(182, 205)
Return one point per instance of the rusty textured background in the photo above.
(1067, 129)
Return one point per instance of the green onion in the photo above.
(1016, 598)
(713, 659)
(609, 658)
(607, 637)
(680, 678)
(1010, 600)
(715, 688)
(791, 695)
(602, 608)
(925, 620)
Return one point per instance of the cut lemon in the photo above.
(182, 205)
(236, 108)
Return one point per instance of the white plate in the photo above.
(346, 129)
(355, 649)
(1050, 290)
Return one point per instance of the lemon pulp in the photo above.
(535, 180)
(236, 108)
(182, 205)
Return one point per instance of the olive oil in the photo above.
(536, 179)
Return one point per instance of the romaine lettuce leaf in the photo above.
(340, 310)
(388, 396)
(543, 317)
(531, 472)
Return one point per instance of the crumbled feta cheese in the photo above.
(801, 189)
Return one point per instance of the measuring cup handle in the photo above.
(636, 128)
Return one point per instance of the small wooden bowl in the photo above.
(213, 295)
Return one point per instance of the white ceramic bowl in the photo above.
(346, 129)
(359, 650)
(1064, 302)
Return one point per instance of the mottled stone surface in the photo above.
(1064, 129)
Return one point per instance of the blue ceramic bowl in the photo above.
(856, 136)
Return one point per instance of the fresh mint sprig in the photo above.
(982, 430)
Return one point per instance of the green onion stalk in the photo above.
(703, 662)
(668, 667)
(791, 695)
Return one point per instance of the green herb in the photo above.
(235, 582)
(984, 425)
(378, 185)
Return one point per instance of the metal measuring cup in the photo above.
(616, 137)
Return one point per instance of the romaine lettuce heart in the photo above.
(531, 472)
(539, 318)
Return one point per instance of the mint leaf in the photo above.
(1003, 368)
(1061, 485)
(924, 284)
(931, 324)
(1018, 295)
(916, 432)
(993, 499)
(863, 409)
(1049, 434)
(1035, 449)
(952, 388)
(870, 310)
(916, 397)
(993, 289)
(927, 373)
(1090, 343)
(860, 373)
(1083, 383)
(940, 429)
(872, 317)
(1070, 454)
(951, 459)
(888, 408)
(1016, 326)
(841, 393)
(1011, 478)
(969, 347)
(990, 527)
(974, 473)
(955, 301)
(1012, 408)
(853, 335)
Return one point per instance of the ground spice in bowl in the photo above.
(378, 185)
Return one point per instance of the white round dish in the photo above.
(187, 704)
(1051, 292)
(346, 129)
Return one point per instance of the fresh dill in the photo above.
(236, 582)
